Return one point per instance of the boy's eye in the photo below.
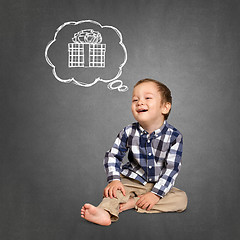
(134, 100)
(148, 98)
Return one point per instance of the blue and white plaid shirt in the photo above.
(154, 158)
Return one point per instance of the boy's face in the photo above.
(147, 106)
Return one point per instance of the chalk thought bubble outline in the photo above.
(111, 82)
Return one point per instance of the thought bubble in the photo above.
(85, 52)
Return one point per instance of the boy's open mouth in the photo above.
(142, 110)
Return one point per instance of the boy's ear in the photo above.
(166, 107)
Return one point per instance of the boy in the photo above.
(146, 181)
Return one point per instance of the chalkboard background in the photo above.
(54, 135)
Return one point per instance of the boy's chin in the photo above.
(142, 121)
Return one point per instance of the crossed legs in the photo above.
(108, 210)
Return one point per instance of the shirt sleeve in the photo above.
(172, 168)
(113, 158)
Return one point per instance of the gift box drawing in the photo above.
(86, 50)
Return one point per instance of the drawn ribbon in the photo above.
(87, 36)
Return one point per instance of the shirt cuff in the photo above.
(111, 178)
(158, 192)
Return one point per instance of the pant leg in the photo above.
(174, 201)
(112, 204)
(132, 189)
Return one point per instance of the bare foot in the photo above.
(128, 205)
(95, 214)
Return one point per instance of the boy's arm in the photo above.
(113, 158)
(172, 168)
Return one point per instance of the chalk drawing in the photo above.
(86, 51)
(86, 42)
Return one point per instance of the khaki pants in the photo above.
(174, 201)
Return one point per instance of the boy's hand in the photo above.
(147, 201)
(111, 189)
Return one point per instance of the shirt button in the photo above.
(149, 154)
(150, 179)
(148, 141)
(150, 167)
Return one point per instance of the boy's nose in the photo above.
(140, 102)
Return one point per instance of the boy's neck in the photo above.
(151, 128)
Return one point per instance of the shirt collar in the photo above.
(156, 133)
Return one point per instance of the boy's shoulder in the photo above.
(172, 131)
(131, 127)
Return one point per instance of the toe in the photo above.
(87, 206)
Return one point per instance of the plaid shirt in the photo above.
(154, 158)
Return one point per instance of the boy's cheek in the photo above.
(133, 108)
(133, 112)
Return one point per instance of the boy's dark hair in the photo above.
(163, 89)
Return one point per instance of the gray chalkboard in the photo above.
(54, 135)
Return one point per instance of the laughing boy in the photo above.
(146, 181)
